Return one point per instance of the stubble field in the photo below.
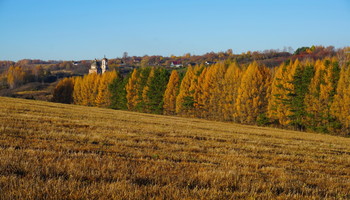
(57, 151)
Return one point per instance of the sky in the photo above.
(88, 29)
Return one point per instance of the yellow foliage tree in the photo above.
(253, 91)
(200, 95)
(15, 76)
(211, 86)
(86, 89)
(319, 99)
(341, 105)
(195, 91)
(103, 98)
(145, 97)
(77, 92)
(281, 86)
(132, 90)
(185, 101)
(229, 91)
(63, 92)
(171, 92)
(90, 88)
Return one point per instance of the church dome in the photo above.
(94, 65)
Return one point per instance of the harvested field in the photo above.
(58, 151)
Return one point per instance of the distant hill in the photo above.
(57, 151)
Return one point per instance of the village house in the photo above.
(176, 64)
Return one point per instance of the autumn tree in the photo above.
(86, 89)
(132, 90)
(211, 84)
(200, 95)
(39, 73)
(15, 76)
(103, 98)
(145, 92)
(340, 107)
(320, 96)
(77, 91)
(185, 101)
(231, 83)
(253, 91)
(278, 108)
(142, 83)
(90, 88)
(171, 93)
(63, 92)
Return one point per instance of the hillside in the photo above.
(34, 90)
(58, 151)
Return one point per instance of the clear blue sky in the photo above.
(88, 29)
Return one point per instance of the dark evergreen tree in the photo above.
(118, 92)
(336, 75)
(301, 81)
(156, 87)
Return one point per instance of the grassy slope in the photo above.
(58, 151)
(33, 90)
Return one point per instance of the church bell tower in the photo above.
(104, 66)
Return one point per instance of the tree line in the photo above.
(308, 95)
(16, 76)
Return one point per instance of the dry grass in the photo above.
(56, 151)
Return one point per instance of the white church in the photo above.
(99, 67)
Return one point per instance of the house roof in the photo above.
(177, 62)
